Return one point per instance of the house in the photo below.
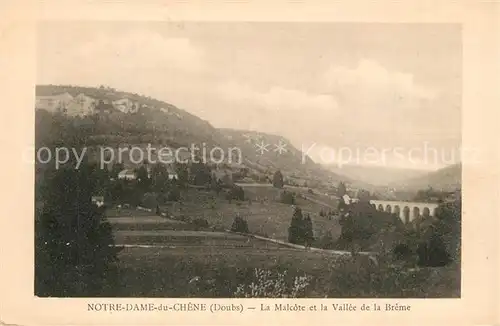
(82, 105)
(53, 103)
(98, 200)
(172, 174)
(127, 175)
(126, 105)
(104, 106)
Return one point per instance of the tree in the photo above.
(182, 174)
(295, 231)
(74, 252)
(116, 168)
(308, 231)
(216, 185)
(144, 182)
(326, 241)
(440, 242)
(174, 194)
(341, 190)
(201, 173)
(278, 179)
(360, 221)
(236, 192)
(363, 195)
(239, 225)
(159, 178)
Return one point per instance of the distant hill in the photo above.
(376, 175)
(267, 153)
(446, 179)
(162, 124)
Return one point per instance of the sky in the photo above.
(360, 93)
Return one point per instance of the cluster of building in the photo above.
(219, 174)
(82, 104)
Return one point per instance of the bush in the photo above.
(266, 284)
(240, 225)
(287, 197)
(433, 253)
(326, 241)
(174, 194)
(402, 252)
(184, 218)
(200, 223)
(149, 200)
(236, 193)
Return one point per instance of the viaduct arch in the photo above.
(407, 211)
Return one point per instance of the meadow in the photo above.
(168, 258)
(265, 215)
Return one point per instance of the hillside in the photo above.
(445, 179)
(162, 124)
(266, 153)
(159, 119)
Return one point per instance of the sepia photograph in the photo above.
(185, 159)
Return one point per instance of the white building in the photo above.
(127, 175)
(82, 105)
(98, 200)
(54, 103)
(126, 105)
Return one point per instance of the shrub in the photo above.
(402, 252)
(433, 253)
(149, 200)
(174, 194)
(183, 218)
(326, 241)
(287, 197)
(239, 225)
(200, 223)
(266, 284)
(236, 192)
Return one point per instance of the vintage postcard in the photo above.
(243, 162)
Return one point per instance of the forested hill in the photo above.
(160, 123)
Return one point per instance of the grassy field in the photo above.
(214, 271)
(174, 260)
(177, 259)
(169, 272)
(124, 212)
(265, 216)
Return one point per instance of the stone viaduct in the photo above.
(407, 211)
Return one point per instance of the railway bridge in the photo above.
(407, 211)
